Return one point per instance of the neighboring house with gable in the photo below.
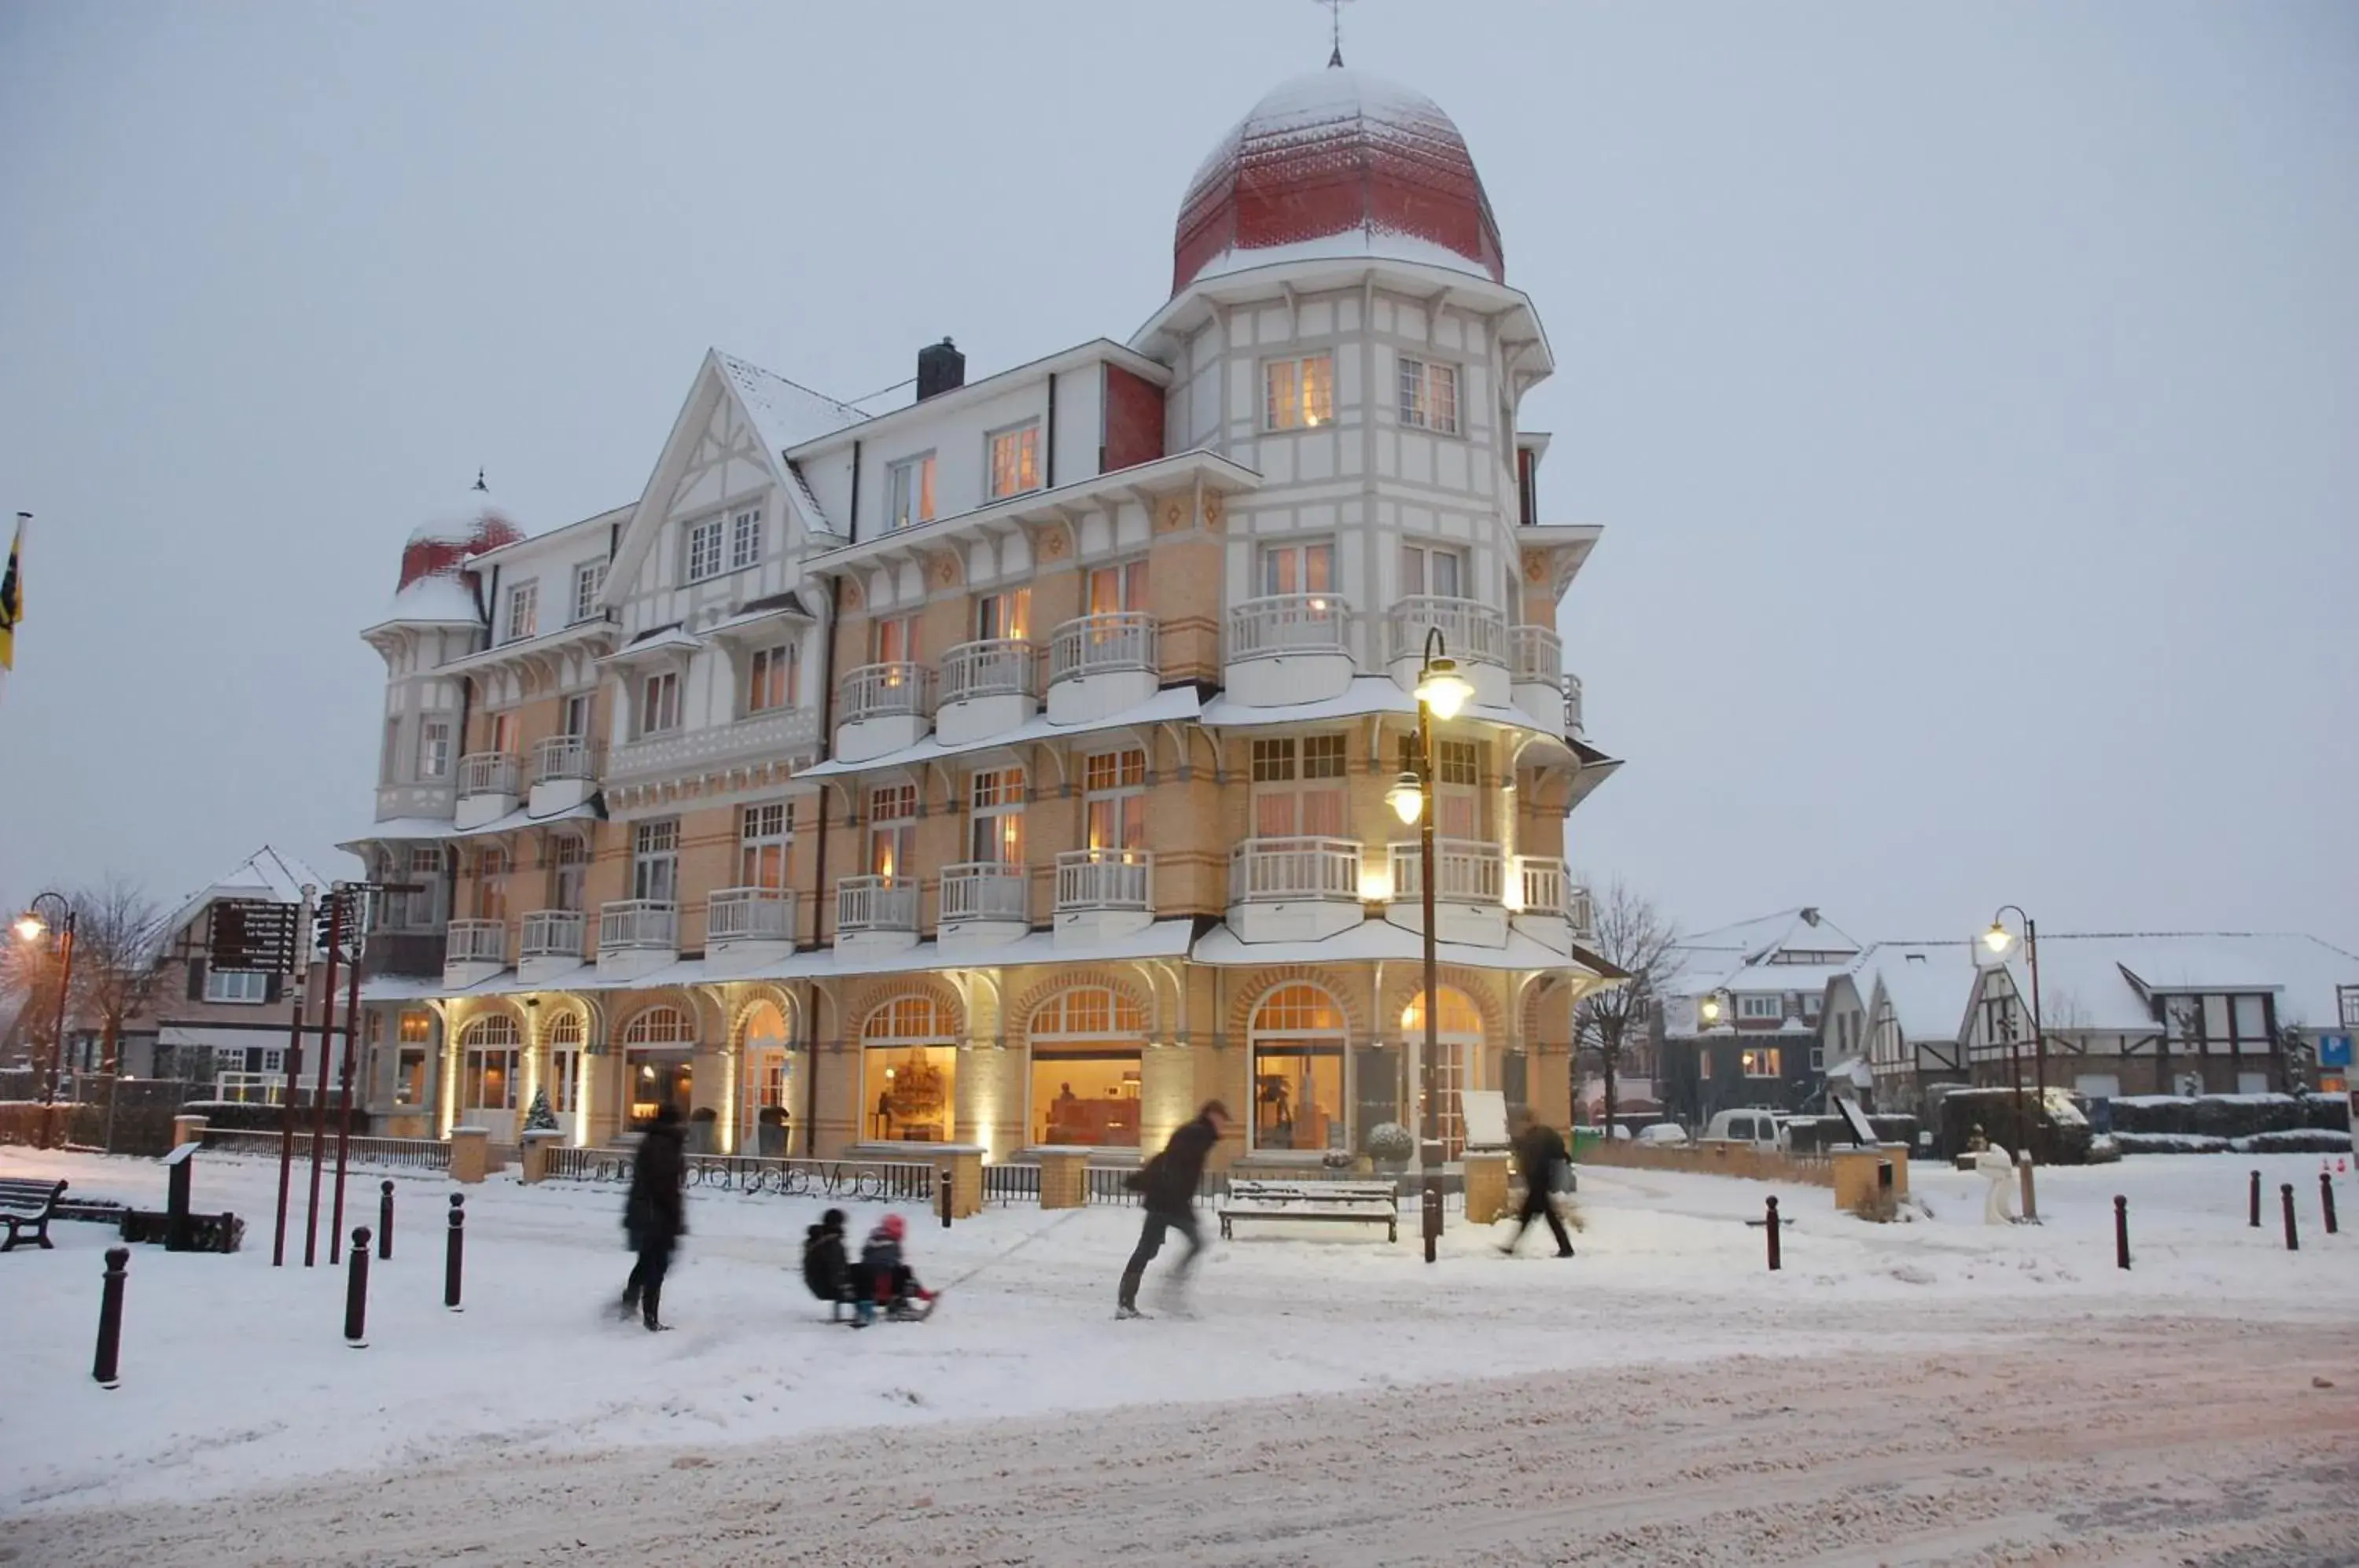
(1897, 1019)
(1741, 1023)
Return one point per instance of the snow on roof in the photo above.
(786, 414)
(2110, 981)
(265, 875)
(1173, 704)
(1373, 243)
(1366, 695)
(433, 598)
(1748, 955)
(1926, 983)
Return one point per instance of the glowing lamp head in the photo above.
(29, 928)
(1710, 1010)
(1997, 938)
(1406, 798)
(1442, 689)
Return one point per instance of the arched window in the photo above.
(909, 1067)
(657, 1068)
(564, 1080)
(490, 1047)
(1086, 1045)
(1297, 1040)
(660, 1026)
(1457, 1031)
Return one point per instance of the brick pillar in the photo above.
(964, 1163)
(187, 1129)
(470, 1149)
(1486, 1188)
(1065, 1178)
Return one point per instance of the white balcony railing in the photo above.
(750, 914)
(1579, 913)
(1471, 631)
(476, 942)
(1284, 868)
(638, 924)
(1538, 655)
(564, 757)
(986, 890)
(875, 904)
(1572, 704)
(1287, 623)
(996, 666)
(1106, 880)
(784, 732)
(489, 773)
(884, 691)
(1465, 871)
(1540, 883)
(552, 934)
(1119, 639)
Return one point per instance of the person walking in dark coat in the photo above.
(654, 1218)
(1166, 1191)
(1541, 1155)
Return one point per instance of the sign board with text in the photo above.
(255, 936)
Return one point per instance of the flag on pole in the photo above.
(12, 597)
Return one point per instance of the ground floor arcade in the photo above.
(1110, 1057)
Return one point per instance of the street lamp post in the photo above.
(1998, 939)
(60, 929)
(1440, 690)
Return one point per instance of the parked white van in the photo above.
(1760, 1130)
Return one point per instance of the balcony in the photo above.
(1103, 893)
(881, 708)
(780, 735)
(986, 687)
(636, 936)
(1288, 647)
(1099, 665)
(876, 913)
(1474, 633)
(1294, 889)
(985, 900)
(489, 782)
(1469, 882)
(475, 951)
(1537, 673)
(1581, 913)
(550, 943)
(1572, 705)
(564, 772)
(414, 954)
(1550, 907)
(746, 926)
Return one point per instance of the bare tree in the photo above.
(116, 943)
(1635, 938)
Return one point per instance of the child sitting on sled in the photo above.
(885, 1280)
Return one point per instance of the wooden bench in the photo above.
(1369, 1203)
(28, 1204)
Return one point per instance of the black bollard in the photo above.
(2293, 1241)
(2120, 1232)
(356, 1292)
(2257, 1200)
(385, 1223)
(2326, 1201)
(1775, 1261)
(1430, 1215)
(110, 1318)
(455, 1256)
(943, 1202)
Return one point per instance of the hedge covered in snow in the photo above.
(2305, 1140)
(2227, 1117)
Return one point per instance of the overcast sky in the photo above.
(1970, 394)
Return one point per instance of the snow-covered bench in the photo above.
(1370, 1202)
(28, 1204)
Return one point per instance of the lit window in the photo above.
(1006, 616)
(524, 612)
(775, 678)
(1297, 569)
(1016, 460)
(909, 1063)
(588, 579)
(893, 639)
(704, 541)
(910, 493)
(1762, 1061)
(1429, 396)
(744, 539)
(1114, 784)
(487, 1082)
(996, 830)
(564, 1082)
(892, 829)
(1298, 394)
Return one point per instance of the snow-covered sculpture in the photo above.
(1995, 1166)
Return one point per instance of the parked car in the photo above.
(1756, 1128)
(1664, 1133)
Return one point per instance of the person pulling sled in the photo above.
(886, 1283)
(827, 1264)
(1165, 1186)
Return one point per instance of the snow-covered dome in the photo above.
(439, 549)
(1338, 163)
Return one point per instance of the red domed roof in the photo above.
(438, 549)
(1337, 163)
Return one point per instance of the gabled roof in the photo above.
(785, 413)
(1927, 985)
(1748, 955)
(265, 875)
(2110, 982)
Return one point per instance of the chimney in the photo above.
(941, 368)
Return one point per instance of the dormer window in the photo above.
(1015, 460)
(909, 498)
(524, 612)
(588, 579)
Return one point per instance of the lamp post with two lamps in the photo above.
(60, 929)
(1998, 939)
(1441, 692)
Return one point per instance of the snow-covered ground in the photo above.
(235, 1376)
